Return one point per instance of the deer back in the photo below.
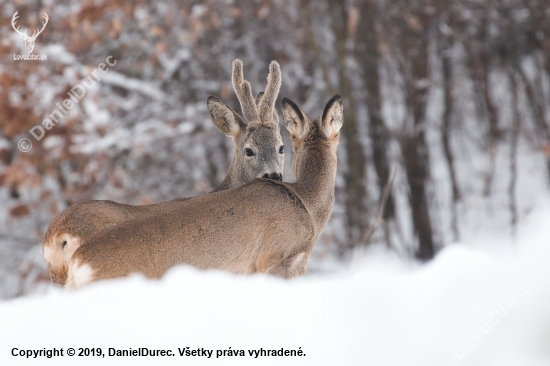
(242, 230)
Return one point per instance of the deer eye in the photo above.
(282, 149)
(64, 243)
(248, 152)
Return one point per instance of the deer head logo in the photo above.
(29, 40)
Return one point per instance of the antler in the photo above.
(35, 33)
(267, 104)
(15, 16)
(244, 92)
(259, 100)
(264, 107)
(43, 26)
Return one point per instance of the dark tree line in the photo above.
(423, 42)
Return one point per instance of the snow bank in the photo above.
(464, 308)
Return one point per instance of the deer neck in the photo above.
(315, 181)
(231, 179)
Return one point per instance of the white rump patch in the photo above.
(79, 275)
(58, 255)
(49, 253)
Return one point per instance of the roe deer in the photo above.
(263, 226)
(259, 152)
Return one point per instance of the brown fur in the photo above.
(264, 226)
(80, 222)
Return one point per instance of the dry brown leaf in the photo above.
(19, 211)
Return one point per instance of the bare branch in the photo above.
(380, 211)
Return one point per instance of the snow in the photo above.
(117, 79)
(468, 306)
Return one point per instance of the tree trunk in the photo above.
(445, 47)
(356, 159)
(414, 45)
(368, 57)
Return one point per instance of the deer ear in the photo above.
(333, 117)
(228, 122)
(294, 119)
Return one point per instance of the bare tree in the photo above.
(411, 25)
(368, 56)
(355, 176)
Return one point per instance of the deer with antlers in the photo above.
(259, 153)
(264, 226)
(29, 40)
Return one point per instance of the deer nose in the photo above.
(274, 176)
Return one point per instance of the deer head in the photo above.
(258, 145)
(29, 40)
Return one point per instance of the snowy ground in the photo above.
(469, 306)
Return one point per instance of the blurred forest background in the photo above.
(456, 93)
